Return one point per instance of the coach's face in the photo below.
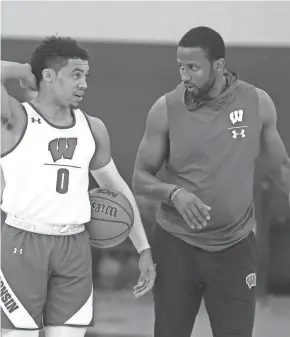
(71, 82)
(196, 70)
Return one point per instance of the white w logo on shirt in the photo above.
(236, 116)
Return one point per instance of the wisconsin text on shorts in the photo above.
(7, 298)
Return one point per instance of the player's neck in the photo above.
(50, 108)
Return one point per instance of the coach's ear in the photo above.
(219, 65)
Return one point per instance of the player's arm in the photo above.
(152, 153)
(10, 107)
(2, 184)
(272, 148)
(106, 174)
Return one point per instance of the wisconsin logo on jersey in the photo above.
(251, 280)
(236, 116)
(237, 131)
(62, 148)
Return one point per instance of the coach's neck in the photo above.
(218, 87)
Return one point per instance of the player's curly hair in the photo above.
(207, 39)
(54, 52)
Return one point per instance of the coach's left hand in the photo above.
(147, 274)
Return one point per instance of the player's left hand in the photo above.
(147, 274)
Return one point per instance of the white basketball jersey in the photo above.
(47, 172)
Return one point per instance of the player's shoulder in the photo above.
(97, 126)
(93, 121)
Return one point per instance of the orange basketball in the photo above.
(112, 218)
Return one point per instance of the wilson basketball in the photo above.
(112, 218)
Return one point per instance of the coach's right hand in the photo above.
(194, 212)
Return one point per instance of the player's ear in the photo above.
(48, 75)
(219, 65)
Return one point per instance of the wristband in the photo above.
(174, 192)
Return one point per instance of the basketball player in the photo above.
(48, 147)
(208, 133)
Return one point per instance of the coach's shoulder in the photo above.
(267, 109)
(158, 108)
(160, 102)
(263, 96)
(157, 116)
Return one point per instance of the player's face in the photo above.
(196, 71)
(71, 82)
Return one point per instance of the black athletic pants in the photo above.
(225, 279)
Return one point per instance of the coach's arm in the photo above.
(272, 148)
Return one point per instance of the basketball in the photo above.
(112, 218)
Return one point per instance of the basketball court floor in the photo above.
(119, 314)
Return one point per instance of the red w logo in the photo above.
(62, 148)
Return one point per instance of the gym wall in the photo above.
(133, 56)
(133, 61)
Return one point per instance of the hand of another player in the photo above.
(194, 212)
(28, 81)
(147, 274)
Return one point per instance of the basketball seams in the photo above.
(112, 213)
(114, 237)
(117, 221)
(119, 206)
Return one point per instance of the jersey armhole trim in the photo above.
(89, 125)
(22, 134)
(258, 106)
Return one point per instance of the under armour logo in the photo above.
(251, 280)
(241, 134)
(236, 116)
(16, 251)
(35, 120)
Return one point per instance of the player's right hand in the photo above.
(194, 212)
(28, 81)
